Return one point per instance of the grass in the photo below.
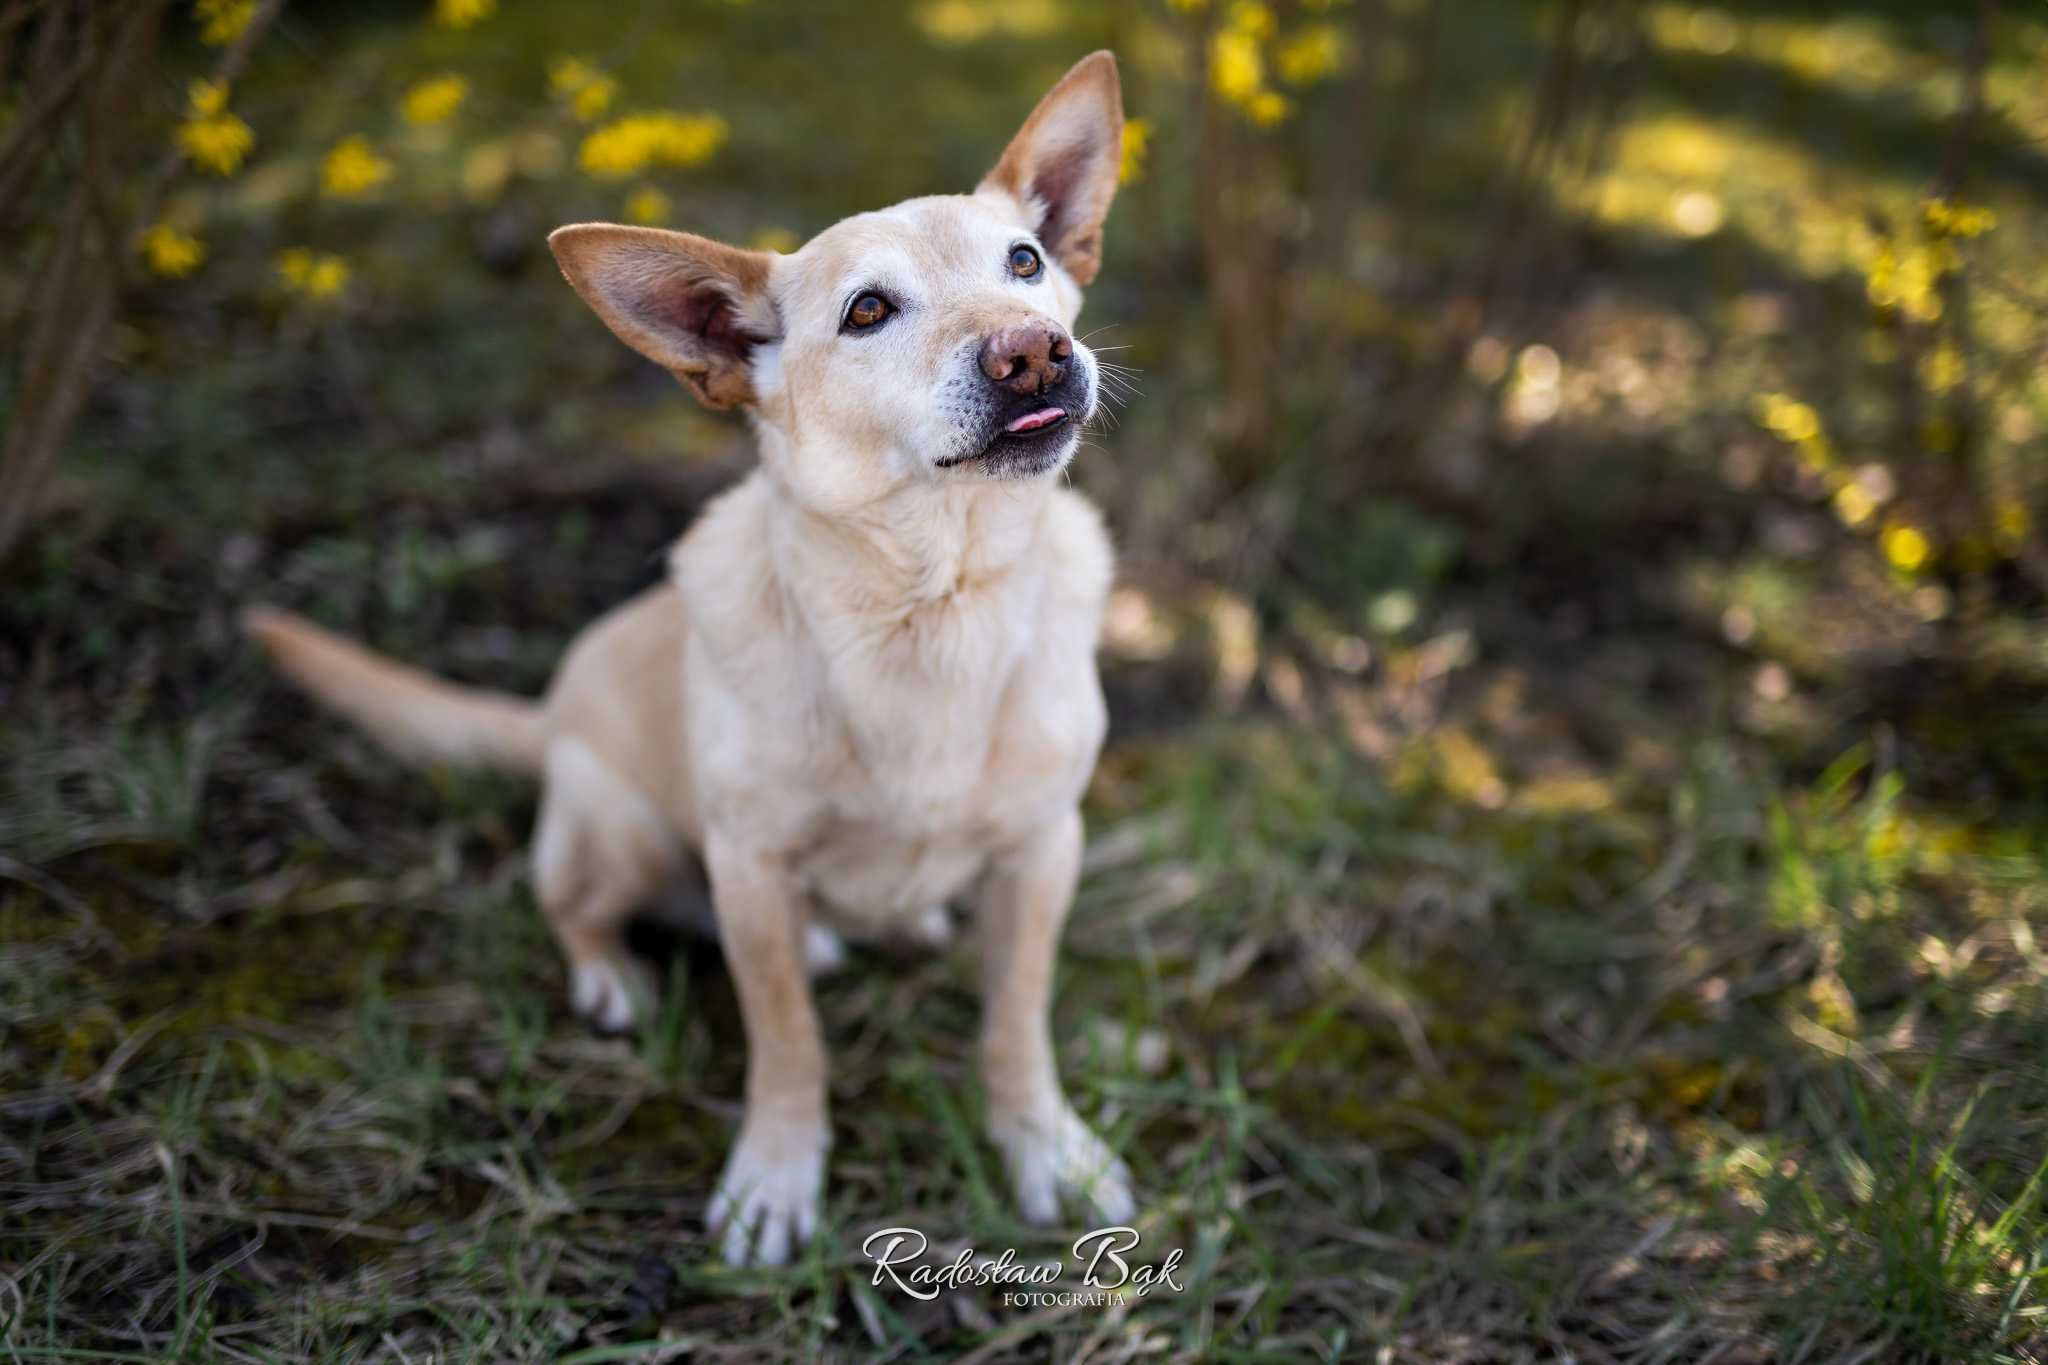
(1397, 1070)
(1573, 901)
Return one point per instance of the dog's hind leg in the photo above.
(600, 851)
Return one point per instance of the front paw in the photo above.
(767, 1200)
(1053, 1156)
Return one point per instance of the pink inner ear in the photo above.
(1066, 182)
(1057, 183)
(704, 311)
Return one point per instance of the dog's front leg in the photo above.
(1050, 1152)
(767, 1200)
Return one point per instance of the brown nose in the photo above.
(1030, 357)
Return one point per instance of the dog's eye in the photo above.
(1024, 262)
(867, 310)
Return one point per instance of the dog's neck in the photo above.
(914, 548)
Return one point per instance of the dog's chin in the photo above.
(1028, 454)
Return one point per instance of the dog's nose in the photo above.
(1028, 358)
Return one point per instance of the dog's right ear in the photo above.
(695, 307)
(1062, 165)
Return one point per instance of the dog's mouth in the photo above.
(1030, 443)
(1035, 423)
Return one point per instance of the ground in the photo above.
(1586, 908)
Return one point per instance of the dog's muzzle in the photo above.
(1027, 417)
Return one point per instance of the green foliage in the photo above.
(1839, 855)
(1941, 1249)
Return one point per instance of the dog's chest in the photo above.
(939, 774)
(884, 749)
(866, 880)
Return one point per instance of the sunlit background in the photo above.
(1567, 874)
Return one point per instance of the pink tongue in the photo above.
(1032, 421)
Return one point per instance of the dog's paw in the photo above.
(766, 1205)
(611, 992)
(1053, 1157)
(824, 950)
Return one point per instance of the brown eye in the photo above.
(1024, 262)
(867, 310)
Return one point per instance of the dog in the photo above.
(868, 686)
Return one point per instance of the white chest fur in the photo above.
(881, 717)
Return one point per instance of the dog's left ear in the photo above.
(1062, 165)
(695, 307)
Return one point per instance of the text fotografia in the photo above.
(1107, 1274)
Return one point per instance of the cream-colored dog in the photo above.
(870, 684)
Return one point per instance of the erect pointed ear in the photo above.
(695, 307)
(1062, 165)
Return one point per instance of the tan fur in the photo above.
(871, 688)
(411, 713)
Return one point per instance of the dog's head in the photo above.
(926, 342)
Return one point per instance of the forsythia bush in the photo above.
(1247, 49)
(215, 141)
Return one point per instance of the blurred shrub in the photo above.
(106, 190)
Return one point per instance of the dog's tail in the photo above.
(415, 715)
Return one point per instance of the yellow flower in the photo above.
(206, 98)
(352, 170)
(2010, 522)
(1309, 55)
(630, 145)
(647, 205)
(462, 13)
(1943, 368)
(1137, 139)
(777, 239)
(567, 75)
(316, 274)
(593, 99)
(587, 89)
(1945, 218)
(955, 22)
(1909, 280)
(217, 144)
(487, 170)
(222, 21)
(434, 99)
(170, 252)
(212, 138)
(1792, 420)
(327, 278)
(1853, 503)
(1906, 548)
(1268, 108)
(1236, 69)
